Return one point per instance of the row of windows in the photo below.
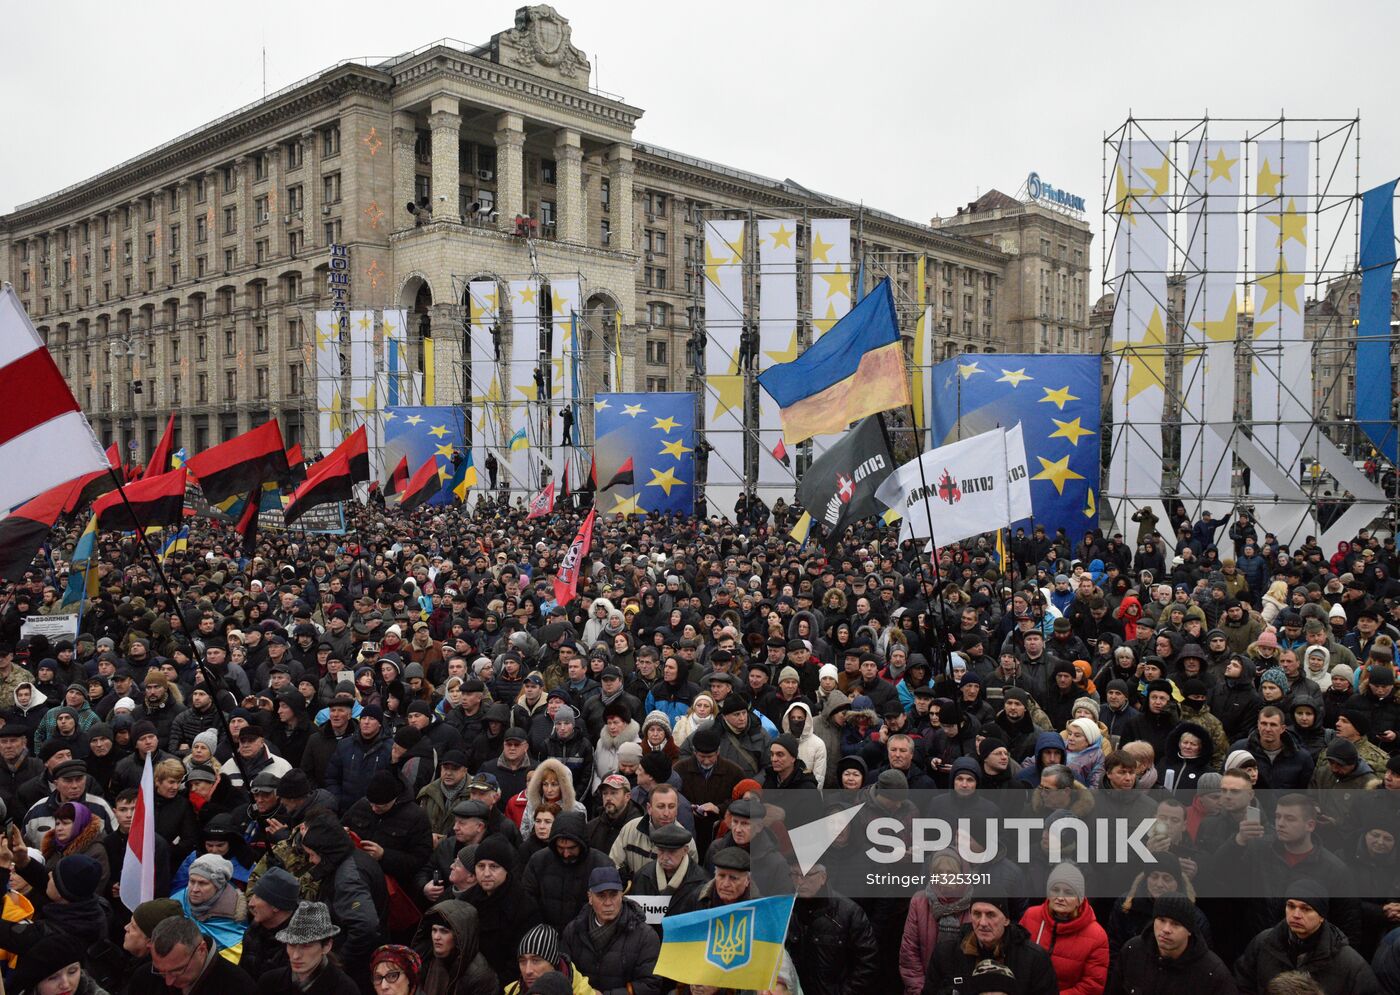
(139, 388)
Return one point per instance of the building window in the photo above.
(230, 179)
(659, 243)
(174, 272)
(487, 200)
(259, 167)
(230, 258)
(605, 194)
(261, 248)
(658, 385)
(230, 385)
(548, 215)
(174, 238)
(262, 381)
(422, 188)
(330, 141)
(294, 379)
(333, 232)
(330, 188)
(295, 151)
(294, 242)
(549, 172)
(260, 338)
(201, 229)
(260, 210)
(201, 347)
(200, 191)
(293, 292)
(605, 231)
(293, 333)
(656, 352)
(230, 220)
(660, 275)
(201, 265)
(295, 198)
(230, 342)
(150, 244)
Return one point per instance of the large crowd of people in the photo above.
(390, 762)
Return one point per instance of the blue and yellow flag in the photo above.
(177, 542)
(82, 569)
(519, 441)
(854, 370)
(734, 946)
(465, 478)
(178, 458)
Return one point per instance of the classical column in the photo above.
(446, 125)
(620, 168)
(312, 233)
(510, 169)
(247, 214)
(405, 170)
(161, 201)
(276, 203)
(568, 180)
(187, 212)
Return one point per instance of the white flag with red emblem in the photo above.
(139, 867)
(959, 490)
(566, 581)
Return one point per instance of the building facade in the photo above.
(187, 278)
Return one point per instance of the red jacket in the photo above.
(1078, 948)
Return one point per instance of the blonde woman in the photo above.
(702, 709)
(549, 782)
(1274, 601)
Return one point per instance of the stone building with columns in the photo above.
(187, 278)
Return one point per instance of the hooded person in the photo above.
(618, 727)
(1188, 755)
(811, 750)
(448, 942)
(351, 884)
(505, 912)
(556, 878)
(829, 727)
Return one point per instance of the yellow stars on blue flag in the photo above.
(1070, 430)
(601, 405)
(1059, 398)
(633, 410)
(676, 448)
(1057, 472)
(1014, 377)
(667, 424)
(665, 480)
(414, 420)
(968, 370)
(438, 430)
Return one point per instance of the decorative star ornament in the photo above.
(1059, 398)
(440, 431)
(1070, 430)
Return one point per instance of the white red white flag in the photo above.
(139, 867)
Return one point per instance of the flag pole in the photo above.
(195, 651)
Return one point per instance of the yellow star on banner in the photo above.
(1161, 178)
(1281, 288)
(364, 323)
(1070, 430)
(529, 391)
(1090, 508)
(527, 295)
(666, 424)
(438, 430)
(366, 400)
(484, 401)
(1290, 224)
(414, 420)
(444, 450)
(1266, 183)
(1014, 377)
(1124, 194)
(713, 263)
(968, 370)
(838, 282)
(388, 328)
(819, 248)
(388, 415)
(1146, 360)
(676, 449)
(1058, 473)
(628, 506)
(602, 405)
(633, 410)
(784, 355)
(1262, 327)
(1059, 398)
(665, 480)
(559, 305)
(729, 390)
(781, 237)
(1220, 167)
(324, 338)
(1222, 330)
(823, 325)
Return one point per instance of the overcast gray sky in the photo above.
(912, 107)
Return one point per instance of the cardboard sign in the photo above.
(654, 906)
(56, 627)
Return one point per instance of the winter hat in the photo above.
(541, 942)
(49, 956)
(1343, 671)
(1309, 891)
(1275, 676)
(466, 856)
(149, 915)
(552, 983)
(1359, 718)
(1338, 613)
(787, 674)
(401, 957)
(1070, 876)
(214, 869)
(408, 737)
(630, 753)
(705, 740)
(77, 876)
(143, 728)
(658, 766)
(210, 739)
(1089, 728)
(828, 670)
(564, 714)
(1178, 908)
(384, 787)
(276, 887)
(1343, 751)
(1119, 685)
(497, 849)
(987, 746)
(310, 923)
(1238, 759)
(989, 976)
(1087, 703)
(1267, 639)
(788, 742)
(1207, 783)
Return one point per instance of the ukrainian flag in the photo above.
(802, 528)
(854, 370)
(518, 440)
(465, 479)
(178, 458)
(82, 568)
(737, 946)
(177, 543)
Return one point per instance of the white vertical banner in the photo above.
(1281, 384)
(564, 296)
(830, 254)
(524, 393)
(1140, 200)
(484, 311)
(724, 382)
(364, 388)
(777, 338)
(1211, 193)
(921, 376)
(398, 379)
(330, 424)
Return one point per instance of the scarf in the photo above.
(601, 934)
(224, 905)
(669, 885)
(947, 912)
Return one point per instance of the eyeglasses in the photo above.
(387, 978)
(176, 972)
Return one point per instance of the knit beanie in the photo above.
(1176, 907)
(210, 739)
(497, 849)
(279, 889)
(1087, 703)
(214, 869)
(564, 714)
(149, 915)
(1089, 728)
(658, 766)
(77, 876)
(1309, 891)
(1236, 759)
(1276, 676)
(541, 942)
(1070, 876)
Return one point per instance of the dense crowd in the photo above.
(403, 767)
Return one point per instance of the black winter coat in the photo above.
(319, 750)
(832, 946)
(627, 964)
(560, 889)
(1140, 970)
(403, 832)
(1326, 955)
(950, 965)
(330, 981)
(504, 917)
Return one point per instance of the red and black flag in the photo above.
(564, 490)
(158, 500)
(247, 525)
(420, 488)
(624, 475)
(333, 478)
(296, 464)
(242, 463)
(165, 448)
(780, 454)
(92, 486)
(591, 484)
(398, 479)
(24, 530)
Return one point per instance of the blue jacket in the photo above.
(354, 762)
(1029, 774)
